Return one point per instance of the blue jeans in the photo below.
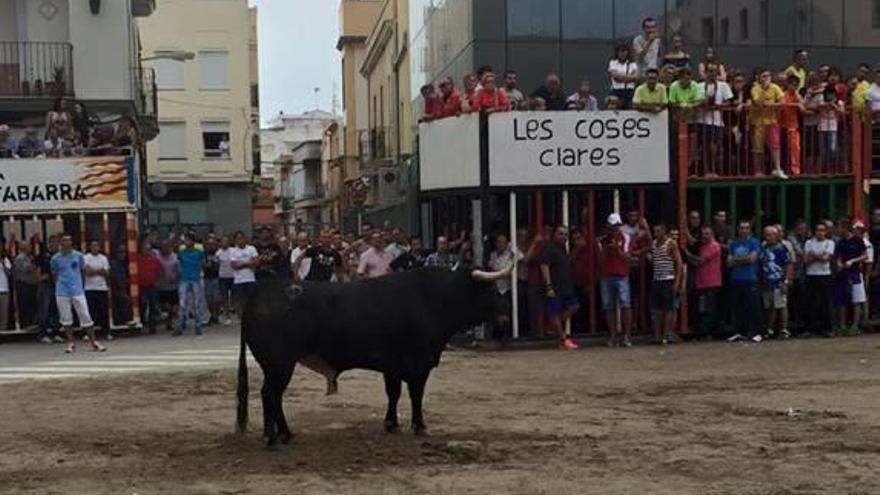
(192, 300)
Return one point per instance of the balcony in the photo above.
(730, 144)
(146, 101)
(36, 69)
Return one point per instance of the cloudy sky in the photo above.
(297, 54)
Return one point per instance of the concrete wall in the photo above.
(230, 207)
(38, 28)
(8, 30)
(102, 55)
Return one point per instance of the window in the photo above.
(744, 24)
(172, 141)
(169, 73)
(215, 140)
(708, 31)
(214, 70)
(725, 31)
(599, 26)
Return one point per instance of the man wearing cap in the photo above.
(614, 282)
(849, 291)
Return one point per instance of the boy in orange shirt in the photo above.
(793, 105)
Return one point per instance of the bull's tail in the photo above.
(241, 419)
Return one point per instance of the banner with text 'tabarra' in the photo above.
(578, 148)
(67, 184)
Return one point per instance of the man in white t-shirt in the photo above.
(244, 259)
(818, 253)
(96, 268)
(710, 124)
(5, 273)
(646, 46)
(305, 264)
(624, 74)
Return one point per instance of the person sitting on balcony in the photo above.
(766, 98)
(686, 95)
(551, 93)
(676, 56)
(711, 57)
(223, 147)
(7, 145)
(651, 95)
(489, 98)
(431, 102)
(470, 93)
(583, 100)
(624, 74)
(125, 135)
(450, 100)
(83, 122)
(100, 144)
(537, 104)
(667, 75)
(613, 103)
(710, 122)
(793, 106)
(30, 145)
(53, 145)
(798, 68)
(514, 95)
(58, 119)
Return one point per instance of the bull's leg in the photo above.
(276, 384)
(416, 392)
(392, 390)
(284, 433)
(268, 423)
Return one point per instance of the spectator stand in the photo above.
(88, 198)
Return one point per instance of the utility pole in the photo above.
(317, 92)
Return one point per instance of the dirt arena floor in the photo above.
(799, 417)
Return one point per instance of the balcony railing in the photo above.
(735, 143)
(36, 69)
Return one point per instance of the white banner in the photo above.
(578, 148)
(67, 184)
(449, 153)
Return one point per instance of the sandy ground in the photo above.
(694, 419)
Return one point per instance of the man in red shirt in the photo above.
(450, 100)
(614, 282)
(432, 103)
(149, 270)
(489, 98)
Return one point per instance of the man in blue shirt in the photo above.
(70, 295)
(190, 290)
(777, 268)
(743, 264)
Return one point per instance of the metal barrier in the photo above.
(746, 142)
(36, 69)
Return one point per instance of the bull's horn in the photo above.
(482, 276)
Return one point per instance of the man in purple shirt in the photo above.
(375, 262)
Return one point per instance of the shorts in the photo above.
(774, 298)
(847, 293)
(169, 297)
(212, 291)
(66, 307)
(662, 296)
(615, 293)
(858, 294)
(556, 304)
(502, 303)
(765, 135)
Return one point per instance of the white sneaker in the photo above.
(58, 339)
(46, 340)
(85, 338)
(736, 338)
(98, 347)
(757, 339)
(227, 321)
(779, 174)
(70, 349)
(784, 333)
(770, 332)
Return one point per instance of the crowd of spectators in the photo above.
(69, 130)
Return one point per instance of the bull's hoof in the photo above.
(285, 438)
(420, 431)
(332, 387)
(392, 427)
(272, 444)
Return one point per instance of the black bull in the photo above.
(397, 325)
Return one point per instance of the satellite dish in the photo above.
(158, 190)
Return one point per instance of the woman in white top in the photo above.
(624, 75)
(226, 276)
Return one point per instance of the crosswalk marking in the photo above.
(84, 365)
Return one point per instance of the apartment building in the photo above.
(202, 165)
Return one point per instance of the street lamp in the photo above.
(177, 56)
